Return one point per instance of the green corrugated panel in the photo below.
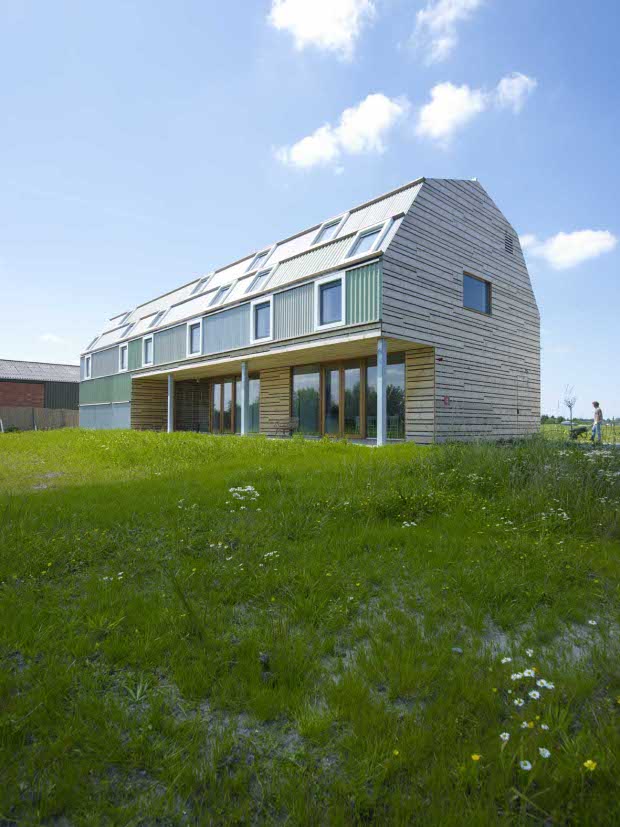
(170, 345)
(364, 294)
(293, 312)
(106, 389)
(135, 354)
(62, 395)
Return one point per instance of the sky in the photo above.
(145, 143)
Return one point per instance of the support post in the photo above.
(381, 391)
(245, 399)
(170, 403)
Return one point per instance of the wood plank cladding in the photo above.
(420, 395)
(149, 404)
(275, 399)
(487, 367)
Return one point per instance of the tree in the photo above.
(570, 400)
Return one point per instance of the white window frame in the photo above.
(144, 341)
(122, 347)
(253, 304)
(383, 228)
(267, 271)
(158, 319)
(228, 288)
(191, 324)
(202, 284)
(341, 277)
(339, 220)
(87, 367)
(265, 252)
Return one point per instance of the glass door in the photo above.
(331, 402)
(222, 417)
(352, 420)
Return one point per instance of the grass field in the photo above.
(200, 630)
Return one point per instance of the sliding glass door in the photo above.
(226, 405)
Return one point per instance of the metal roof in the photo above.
(292, 258)
(38, 371)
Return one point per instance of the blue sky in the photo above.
(145, 143)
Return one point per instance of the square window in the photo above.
(327, 232)
(194, 338)
(123, 358)
(365, 242)
(476, 294)
(262, 320)
(330, 302)
(148, 351)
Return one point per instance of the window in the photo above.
(261, 320)
(329, 302)
(128, 330)
(476, 294)
(306, 398)
(258, 261)
(395, 393)
(123, 362)
(157, 318)
(194, 330)
(252, 425)
(202, 283)
(87, 365)
(259, 281)
(147, 354)
(92, 344)
(367, 241)
(220, 295)
(328, 231)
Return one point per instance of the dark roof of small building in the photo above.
(38, 371)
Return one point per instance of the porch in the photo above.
(369, 389)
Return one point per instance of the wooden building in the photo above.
(411, 316)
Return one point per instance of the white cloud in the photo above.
(452, 107)
(361, 129)
(330, 25)
(51, 339)
(437, 24)
(449, 109)
(566, 250)
(513, 90)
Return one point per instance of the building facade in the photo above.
(410, 317)
(38, 394)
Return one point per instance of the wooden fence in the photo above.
(38, 419)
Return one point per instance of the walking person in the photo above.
(597, 427)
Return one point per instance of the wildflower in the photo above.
(544, 753)
(476, 757)
(550, 685)
(542, 683)
(535, 694)
(396, 752)
(506, 660)
(529, 652)
(525, 765)
(524, 725)
(592, 622)
(518, 702)
(529, 673)
(544, 726)
(505, 736)
(516, 676)
(590, 765)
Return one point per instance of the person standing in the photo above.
(597, 427)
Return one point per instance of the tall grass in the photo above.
(322, 644)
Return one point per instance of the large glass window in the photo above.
(254, 402)
(306, 398)
(227, 409)
(365, 242)
(352, 424)
(476, 294)
(395, 393)
(216, 419)
(332, 401)
(262, 320)
(194, 338)
(330, 302)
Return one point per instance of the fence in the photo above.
(39, 419)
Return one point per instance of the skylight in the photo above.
(202, 283)
(220, 295)
(327, 231)
(258, 261)
(157, 318)
(259, 281)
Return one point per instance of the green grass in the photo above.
(173, 654)
(610, 433)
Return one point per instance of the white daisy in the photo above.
(506, 660)
(525, 765)
(534, 694)
(529, 652)
(592, 622)
(544, 752)
(529, 673)
(516, 676)
(505, 736)
(544, 726)
(518, 702)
